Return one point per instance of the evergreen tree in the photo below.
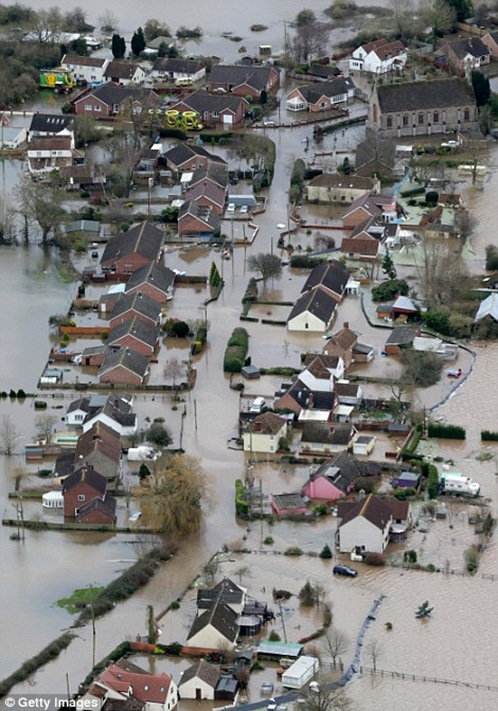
(118, 46)
(138, 42)
(326, 553)
(388, 266)
(481, 86)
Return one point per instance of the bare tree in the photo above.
(45, 424)
(327, 700)
(173, 369)
(47, 25)
(442, 273)
(268, 265)
(310, 40)
(374, 651)
(242, 571)
(438, 15)
(335, 643)
(41, 203)
(7, 221)
(18, 476)
(8, 435)
(211, 568)
(403, 11)
(108, 22)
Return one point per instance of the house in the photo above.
(401, 337)
(136, 304)
(326, 438)
(85, 69)
(289, 505)
(314, 311)
(184, 157)
(199, 681)
(135, 333)
(84, 406)
(331, 276)
(50, 125)
(321, 371)
(215, 628)
(364, 525)
(50, 153)
(171, 69)
(264, 432)
(305, 403)
(98, 511)
(224, 109)
(329, 188)
(116, 412)
(112, 99)
(84, 176)
(330, 482)
(83, 485)
(125, 681)
(231, 594)
(422, 108)
(367, 206)
(243, 80)
(467, 54)
(348, 393)
(365, 240)
(375, 157)
(320, 96)
(197, 221)
(124, 73)
(124, 367)
(345, 344)
(207, 195)
(214, 173)
(128, 251)
(154, 281)
(379, 57)
(99, 448)
(490, 39)
(93, 356)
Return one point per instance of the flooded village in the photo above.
(286, 326)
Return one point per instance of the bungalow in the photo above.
(305, 403)
(313, 311)
(124, 73)
(153, 281)
(329, 188)
(170, 69)
(50, 153)
(214, 173)
(99, 448)
(243, 80)
(264, 432)
(83, 485)
(401, 337)
(128, 251)
(320, 96)
(184, 157)
(331, 276)
(135, 333)
(325, 438)
(117, 413)
(422, 108)
(368, 206)
(112, 99)
(197, 221)
(132, 305)
(465, 55)
(130, 684)
(199, 681)
(365, 239)
(364, 525)
(379, 57)
(207, 195)
(124, 367)
(375, 157)
(85, 69)
(224, 109)
(289, 505)
(231, 594)
(84, 176)
(215, 628)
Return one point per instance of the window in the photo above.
(405, 121)
(78, 418)
(435, 117)
(88, 107)
(81, 497)
(97, 108)
(466, 115)
(389, 122)
(420, 119)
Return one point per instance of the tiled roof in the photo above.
(99, 438)
(201, 101)
(314, 92)
(177, 65)
(390, 49)
(372, 509)
(289, 501)
(472, 45)
(78, 60)
(129, 359)
(50, 143)
(208, 673)
(121, 70)
(88, 476)
(344, 339)
(150, 688)
(50, 123)
(420, 95)
(401, 336)
(317, 302)
(221, 617)
(332, 275)
(182, 153)
(114, 94)
(234, 75)
(215, 193)
(267, 423)
(146, 239)
(155, 274)
(202, 213)
(138, 328)
(336, 180)
(137, 303)
(231, 594)
(107, 506)
(215, 172)
(324, 433)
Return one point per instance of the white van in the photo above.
(257, 405)
(184, 82)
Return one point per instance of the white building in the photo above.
(364, 525)
(89, 69)
(379, 57)
(264, 433)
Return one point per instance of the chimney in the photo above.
(346, 324)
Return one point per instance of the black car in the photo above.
(345, 570)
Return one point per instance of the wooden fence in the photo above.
(430, 679)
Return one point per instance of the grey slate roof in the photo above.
(472, 45)
(231, 594)
(146, 239)
(50, 123)
(234, 75)
(118, 408)
(107, 505)
(332, 275)
(323, 433)
(375, 149)
(401, 336)
(126, 357)
(307, 398)
(371, 508)
(200, 212)
(313, 92)
(137, 303)
(87, 475)
(140, 329)
(208, 673)
(318, 302)
(112, 94)
(177, 65)
(182, 153)
(121, 70)
(420, 95)
(220, 617)
(201, 101)
(155, 274)
(217, 173)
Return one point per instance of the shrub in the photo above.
(389, 289)
(410, 556)
(236, 351)
(489, 436)
(375, 559)
(307, 595)
(293, 551)
(403, 494)
(432, 481)
(274, 636)
(241, 504)
(303, 261)
(268, 541)
(326, 553)
(175, 605)
(327, 615)
(471, 558)
(438, 429)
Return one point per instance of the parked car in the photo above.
(244, 209)
(346, 570)
(271, 705)
(231, 207)
(267, 687)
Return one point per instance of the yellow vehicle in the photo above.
(172, 118)
(59, 80)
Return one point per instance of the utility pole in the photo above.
(282, 618)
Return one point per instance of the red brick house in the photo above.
(128, 306)
(112, 99)
(367, 206)
(84, 485)
(224, 109)
(208, 195)
(124, 366)
(182, 158)
(99, 448)
(135, 333)
(152, 280)
(243, 80)
(128, 251)
(98, 511)
(197, 222)
(365, 240)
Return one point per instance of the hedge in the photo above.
(489, 436)
(437, 429)
(236, 351)
(432, 480)
(241, 505)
